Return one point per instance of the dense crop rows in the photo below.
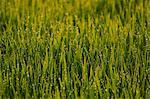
(84, 49)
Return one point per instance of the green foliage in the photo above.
(74, 49)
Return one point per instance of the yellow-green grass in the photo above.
(75, 49)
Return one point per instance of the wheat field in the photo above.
(74, 49)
